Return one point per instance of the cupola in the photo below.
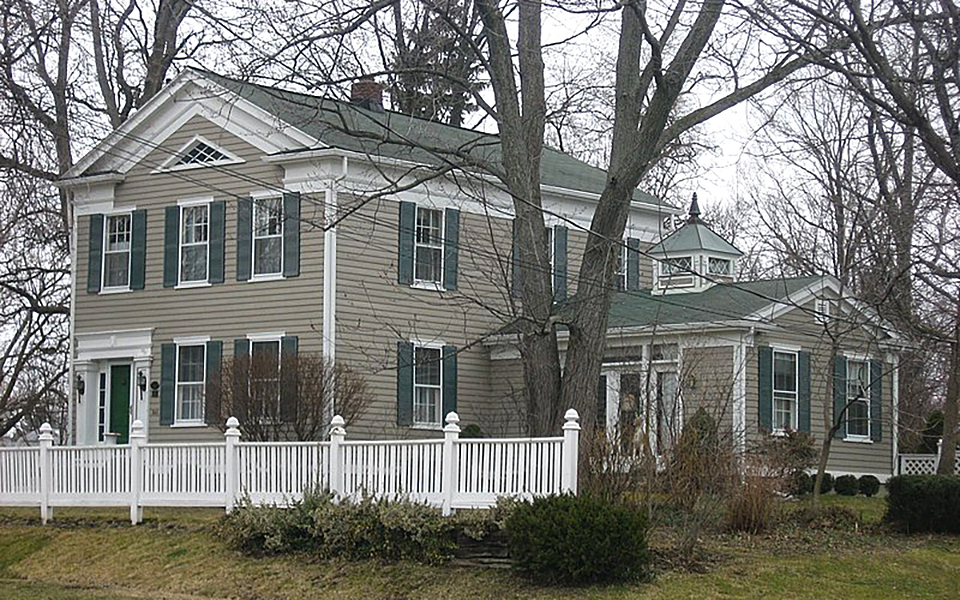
(693, 258)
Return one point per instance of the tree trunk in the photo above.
(948, 449)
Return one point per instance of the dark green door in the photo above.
(120, 402)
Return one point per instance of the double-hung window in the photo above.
(428, 247)
(427, 389)
(267, 236)
(116, 252)
(621, 276)
(265, 376)
(194, 242)
(784, 390)
(858, 398)
(191, 382)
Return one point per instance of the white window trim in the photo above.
(434, 345)
(427, 284)
(266, 336)
(177, 421)
(622, 275)
(257, 198)
(270, 337)
(795, 417)
(854, 437)
(199, 282)
(115, 289)
(170, 164)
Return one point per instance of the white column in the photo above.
(86, 413)
(141, 399)
(451, 460)
(570, 452)
(46, 479)
(138, 438)
(337, 435)
(232, 463)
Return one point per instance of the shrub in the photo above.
(847, 485)
(262, 530)
(924, 502)
(784, 455)
(578, 540)
(869, 485)
(826, 485)
(827, 517)
(471, 431)
(750, 508)
(799, 484)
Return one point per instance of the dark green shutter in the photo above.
(803, 391)
(212, 408)
(876, 400)
(404, 383)
(407, 230)
(244, 238)
(288, 378)
(839, 393)
(765, 388)
(171, 246)
(241, 384)
(218, 230)
(451, 245)
(559, 263)
(515, 261)
(95, 254)
(138, 249)
(168, 382)
(291, 234)
(449, 383)
(633, 264)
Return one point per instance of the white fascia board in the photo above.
(188, 95)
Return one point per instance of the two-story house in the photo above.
(229, 219)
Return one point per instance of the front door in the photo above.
(668, 417)
(120, 402)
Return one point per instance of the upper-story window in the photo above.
(681, 265)
(428, 247)
(191, 383)
(621, 275)
(268, 236)
(116, 252)
(858, 398)
(427, 389)
(784, 390)
(719, 266)
(265, 375)
(194, 242)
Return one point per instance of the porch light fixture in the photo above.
(81, 386)
(141, 381)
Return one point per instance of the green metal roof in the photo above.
(722, 302)
(344, 125)
(693, 236)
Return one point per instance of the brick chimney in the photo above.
(367, 93)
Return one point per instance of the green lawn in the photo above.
(175, 554)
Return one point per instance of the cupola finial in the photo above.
(694, 209)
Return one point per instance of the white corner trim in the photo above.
(191, 340)
(266, 336)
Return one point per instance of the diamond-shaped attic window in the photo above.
(201, 153)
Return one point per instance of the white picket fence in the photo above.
(923, 464)
(448, 473)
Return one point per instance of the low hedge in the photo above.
(921, 503)
(826, 485)
(869, 485)
(578, 540)
(847, 485)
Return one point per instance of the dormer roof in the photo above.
(694, 236)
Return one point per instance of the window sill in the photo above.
(187, 425)
(858, 440)
(270, 277)
(430, 286)
(778, 433)
(427, 427)
(109, 291)
(192, 284)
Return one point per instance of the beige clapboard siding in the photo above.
(799, 328)
(374, 311)
(223, 311)
(707, 383)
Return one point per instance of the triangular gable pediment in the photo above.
(189, 95)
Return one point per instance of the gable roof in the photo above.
(693, 236)
(721, 302)
(344, 125)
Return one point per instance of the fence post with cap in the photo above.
(570, 452)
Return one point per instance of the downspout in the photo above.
(329, 345)
(895, 413)
(71, 395)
